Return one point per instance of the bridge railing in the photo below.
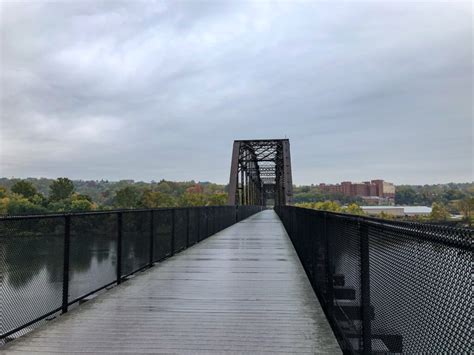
(52, 262)
(387, 286)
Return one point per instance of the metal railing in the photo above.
(51, 262)
(387, 286)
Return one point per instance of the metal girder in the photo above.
(260, 172)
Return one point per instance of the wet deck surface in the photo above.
(242, 290)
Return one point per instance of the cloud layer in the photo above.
(151, 90)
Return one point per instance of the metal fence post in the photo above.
(173, 219)
(365, 288)
(152, 245)
(67, 242)
(119, 248)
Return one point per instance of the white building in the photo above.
(397, 210)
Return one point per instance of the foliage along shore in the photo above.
(33, 196)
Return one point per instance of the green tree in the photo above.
(127, 197)
(405, 195)
(60, 206)
(466, 207)
(217, 199)
(39, 200)
(61, 189)
(78, 197)
(331, 206)
(189, 199)
(354, 208)
(4, 201)
(385, 215)
(164, 187)
(439, 212)
(156, 199)
(24, 188)
(19, 205)
(82, 205)
(3, 192)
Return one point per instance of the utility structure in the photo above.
(260, 173)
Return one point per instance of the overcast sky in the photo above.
(152, 90)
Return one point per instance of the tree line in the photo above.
(33, 196)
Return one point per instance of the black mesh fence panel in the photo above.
(31, 270)
(387, 286)
(218, 212)
(204, 223)
(180, 229)
(420, 292)
(219, 219)
(345, 264)
(93, 253)
(320, 266)
(193, 226)
(230, 216)
(163, 229)
(211, 221)
(135, 241)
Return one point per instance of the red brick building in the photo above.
(374, 188)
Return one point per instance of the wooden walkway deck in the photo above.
(242, 290)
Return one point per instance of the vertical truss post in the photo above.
(234, 174)
(287, 177)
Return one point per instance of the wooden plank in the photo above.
(240, 291)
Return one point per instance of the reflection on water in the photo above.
(32, 254)
(32, 274)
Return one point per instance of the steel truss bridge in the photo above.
(260, 173)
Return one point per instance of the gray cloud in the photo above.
(151, 90)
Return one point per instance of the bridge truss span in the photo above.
(260, 173)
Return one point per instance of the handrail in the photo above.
(97, 212)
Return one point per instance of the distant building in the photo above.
(397, 210)
(375, 191)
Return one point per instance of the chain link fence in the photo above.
(387, 286)
(50, 263)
